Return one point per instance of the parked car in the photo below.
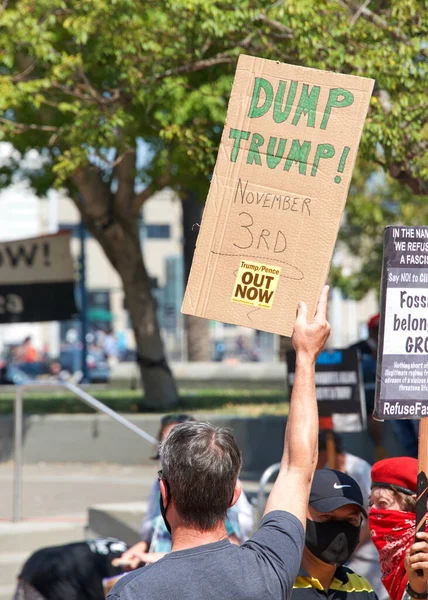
(12, 372)
(70, 360)
(11, 375)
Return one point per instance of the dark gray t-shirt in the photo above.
(263, 568)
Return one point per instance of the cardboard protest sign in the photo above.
(402, 370)
(339, 384)
(36, 280)
(277, 193)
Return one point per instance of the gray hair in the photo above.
(201, 464)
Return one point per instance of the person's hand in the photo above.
(309, 337)
(417, 559)
(135, 556)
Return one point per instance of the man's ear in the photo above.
(164, 492)
(236, 493)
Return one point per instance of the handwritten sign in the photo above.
(402, 382)
(36, 279)
(278, 190)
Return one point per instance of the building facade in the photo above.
(23, 215)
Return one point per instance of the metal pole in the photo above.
(94, 403)
(18, 423)
(99, 406)
(264, 480)
(83, 302)
(17, 482)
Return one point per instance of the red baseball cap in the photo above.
(373, 322)
(400, 472)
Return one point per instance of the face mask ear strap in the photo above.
(168, 493)
(163, 509)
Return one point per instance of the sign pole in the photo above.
(84, 302)
(422, 489)
(326, 424)
(422, 485)
(331, 449)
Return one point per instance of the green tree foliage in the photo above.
(90, 76)
(84, 81)
(375, 200)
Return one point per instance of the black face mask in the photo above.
(163, 508)
(332, 542)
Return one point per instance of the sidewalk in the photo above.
(66, 490)
(56, 502)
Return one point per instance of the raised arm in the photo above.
(291, 489)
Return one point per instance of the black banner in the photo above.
(402, 369)
(338, 382)
(37, 280)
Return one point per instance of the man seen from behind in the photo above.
(199, 482)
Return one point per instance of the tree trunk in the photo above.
(158, 382)
(121, 244)
(112, 218)
(197, 329)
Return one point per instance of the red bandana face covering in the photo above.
(393, 531)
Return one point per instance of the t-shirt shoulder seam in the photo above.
(197, 550)
(292, 519)
(131, 577)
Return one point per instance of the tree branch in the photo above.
(21, 127)
(140, 198)
(99, 98)
(358, 12)
(97, 197)
(220, 59)
(286, 31)
(91, 89)
(97, 233)
(125, 170)
(376, 20)
(24, 73)
(75, 93)
(400, 173)
(3, 6)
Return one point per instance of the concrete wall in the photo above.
(261, 375)
(96, 438)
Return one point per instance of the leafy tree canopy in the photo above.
(83, 82)
(78, 79)
(375, 201)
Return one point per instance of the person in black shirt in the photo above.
(333, 525)
(69, 572)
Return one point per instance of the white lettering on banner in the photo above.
(334, 393)
(332, 378)
(397, 409)
(12, 304)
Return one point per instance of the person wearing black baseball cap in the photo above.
(365, 559)
(334, 517)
